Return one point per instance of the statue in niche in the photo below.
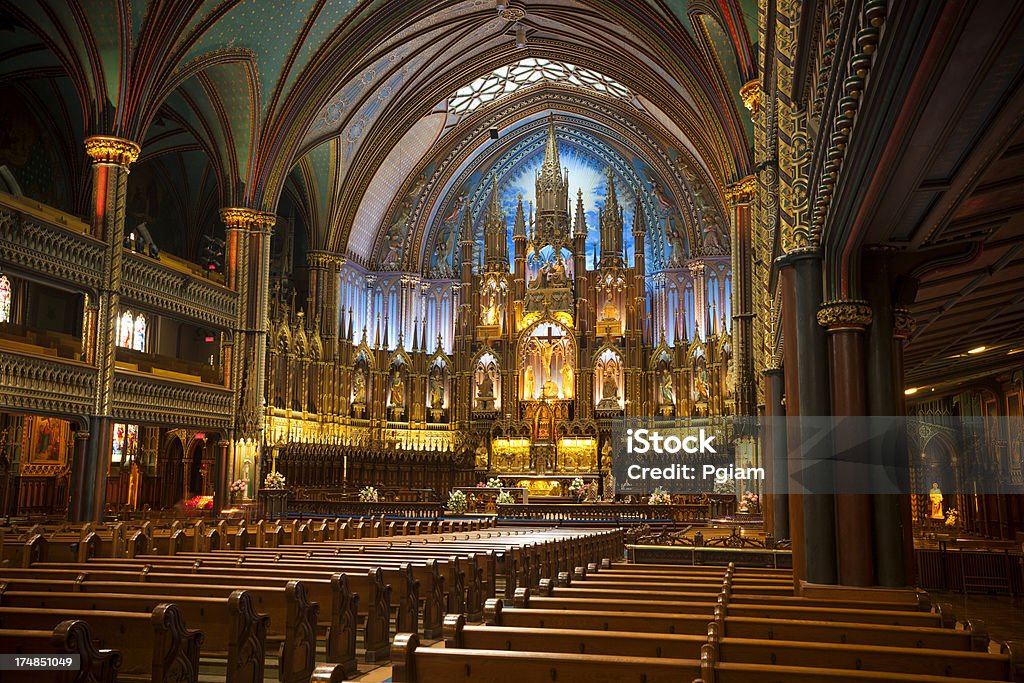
(935, 502)
(546, 353)
(567, 381)
(609, 311)
(701, 390)
(397, 389)
(529, 388)
(609, 384)
(445, 247)
(485, 385)
(556, 273)
(668, 392)
(359, 387)
(436, 390)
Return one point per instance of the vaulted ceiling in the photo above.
(344, 105)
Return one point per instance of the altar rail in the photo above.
(336, 508)
(971, 571)
(618, 513)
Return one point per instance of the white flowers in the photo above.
(659, 497)
(457, 502)
(369, 495)
(494, 483)
(505, 498)
(274, 480)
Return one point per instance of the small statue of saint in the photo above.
(359, 387)
(935, 502)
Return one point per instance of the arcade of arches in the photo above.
(418, 245)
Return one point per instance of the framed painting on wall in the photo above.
(46, 439)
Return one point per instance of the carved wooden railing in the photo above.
(141, 397)
(48, 385)
(56, 252)
(603, 512)
(357, 509)
(162, 288)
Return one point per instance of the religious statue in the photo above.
(436, 391)
(397, 389)
(556, 275)
(610, 384)
(481, 455)
(546, 353)
(528, 383)
(935, 502)
(609, 485)
(668, 392)
(485, 386)
(609, 311)
(567, 381)
(701, 391)
(359, 387)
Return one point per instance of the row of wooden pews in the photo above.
(606, 622)
(28, 544)
(292, 605)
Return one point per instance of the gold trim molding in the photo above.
(106, 149)
(903, 324)
(742, 191)
(847, 314)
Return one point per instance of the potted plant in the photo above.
(457, 502)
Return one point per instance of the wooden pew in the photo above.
(339, 621)
(154, 645)
(71, 637)
(414, 664)
(292, 624)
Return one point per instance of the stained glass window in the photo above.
(140, 333)
(117, 445)
(509, 79)
(125, 330)
(5, 299)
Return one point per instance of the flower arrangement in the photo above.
(576, 487)
(457, 502)
(239, 486)
(274, 480)
(750, 499)
(659, 497)
(481, 485)
(727, 486)
(199, 503)
(952, 517)
(369, 495)
(505, 498)
(494, 483)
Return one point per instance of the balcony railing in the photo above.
(169, 286)
(51, 385)
(38, 242)
(143, 397)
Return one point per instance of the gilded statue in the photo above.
(668, 392)
(397, 389)
(436, 391)
(567, 381)
(359, 387)
(485, 387)
(935, 502)
(529, 388)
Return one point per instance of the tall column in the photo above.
(79, 466)
(111, 158)
(700, 300)
(776, 504)
(740, 195)
(812, 515)
(247, 265)
(846, 322)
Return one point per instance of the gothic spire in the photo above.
(519, 227)
(611, 226)
(580, 226)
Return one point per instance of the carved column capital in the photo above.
(742, 191)
(241, 218)
(903, 323)
(107, 149)
(846, 314)
(750, 93)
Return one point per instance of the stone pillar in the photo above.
(247, 271)
(740, 195)
(222, 476)
(81, 496)
(111, 158)
(846, 322)
(776, 503)
(700, 300)
(812, 515)
(893, 553)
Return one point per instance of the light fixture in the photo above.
(500, 5)
(910, 392)
(977, 350)
(520, 36)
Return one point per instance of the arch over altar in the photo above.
(547, 362)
